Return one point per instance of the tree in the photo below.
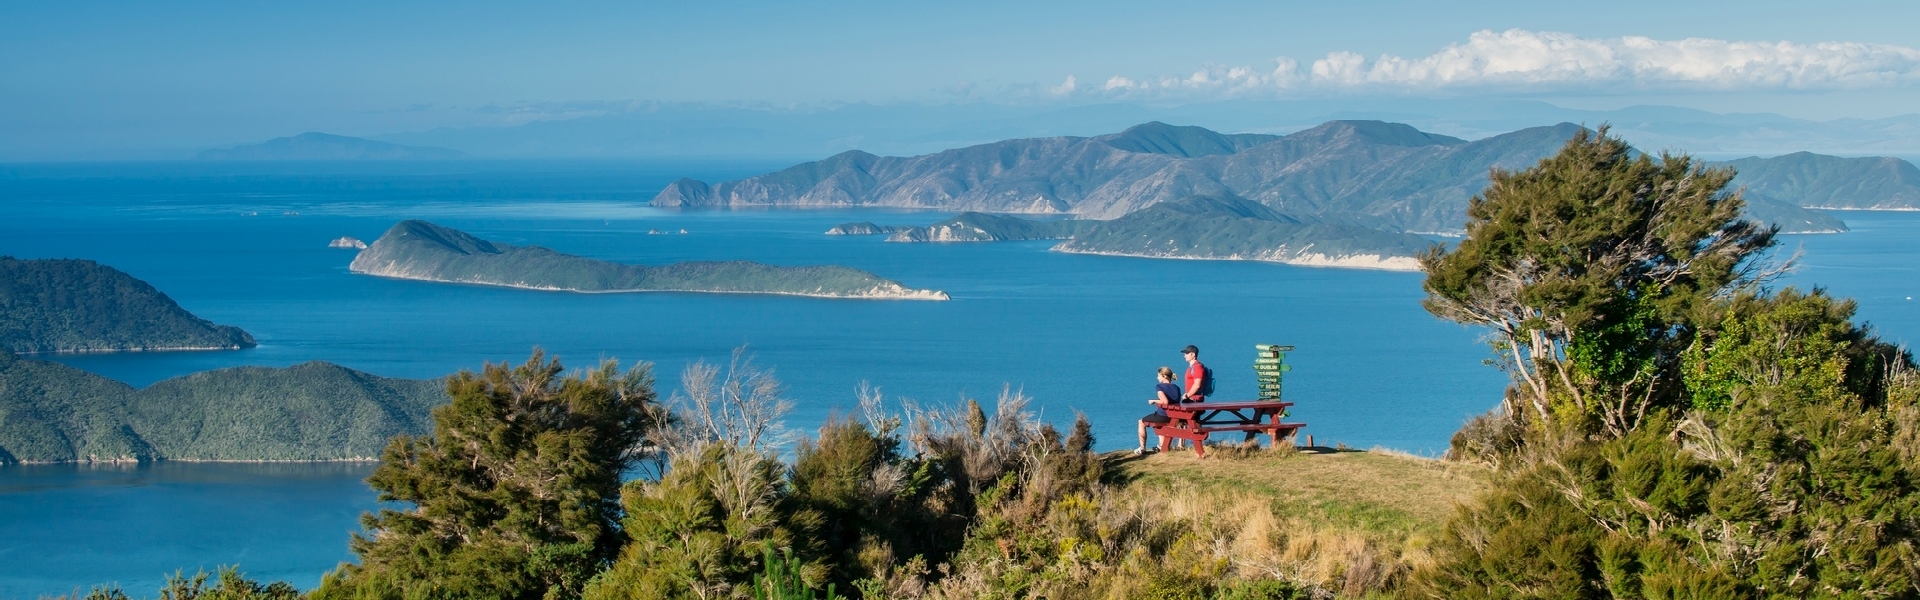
(1588, 267)
(514, 495)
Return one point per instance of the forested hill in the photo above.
(425, 251)
(62, 305)
(1380, 175)
(311, 411)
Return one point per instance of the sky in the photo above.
(81, 77)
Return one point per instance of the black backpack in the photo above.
(1206, 382)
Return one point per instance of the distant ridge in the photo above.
(1819, 181)
(1376, 174)
(322, 146)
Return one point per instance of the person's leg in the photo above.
(1143, 438)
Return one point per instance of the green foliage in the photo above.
(514, 493)
(310, 411)
(228, 584)
(84, 306)
(1590, 268)
(1791, 479)
(782, 580)
(1804, 345)
(702, 530)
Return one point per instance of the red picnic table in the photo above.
(1195, 420)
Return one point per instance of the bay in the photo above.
(245, 245)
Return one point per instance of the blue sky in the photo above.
(188, 74)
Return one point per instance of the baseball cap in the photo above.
(1190, 349)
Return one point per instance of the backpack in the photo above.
(1206, 382)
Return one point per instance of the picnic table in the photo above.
(1195, 420)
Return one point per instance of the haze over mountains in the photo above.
(1387, 176)
(707, 130)
(321, 146)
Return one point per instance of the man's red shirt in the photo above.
(1195, 372)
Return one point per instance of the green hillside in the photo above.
(1226, 227)
(1814, 180)
(312, 411)
(62, 305)
(425, 251)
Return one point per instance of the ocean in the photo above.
(246, 245)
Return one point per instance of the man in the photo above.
(1196, 373)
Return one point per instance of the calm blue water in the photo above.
(1077, 333)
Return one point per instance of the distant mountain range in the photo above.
(61, 305)
(1385, 176)
(429, 252)
(321, 146)
(680, 130)
(50, 412)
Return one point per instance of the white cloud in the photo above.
(1530, 60)
(1065, 87)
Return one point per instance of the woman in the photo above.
(1164, 393)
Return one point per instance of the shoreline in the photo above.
(1376, 263)
(912, 294)
(161, 349)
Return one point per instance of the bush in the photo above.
(514, 493)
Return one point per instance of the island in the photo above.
(424, 251)
(51, 412)
(347, 242)
(67, 305)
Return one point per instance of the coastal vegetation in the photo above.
(50, 412)
(60, 305)
(425, 251)
(1674, 427)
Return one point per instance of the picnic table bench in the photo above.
(1195, 420)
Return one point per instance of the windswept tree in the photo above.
(514, 495)
(1588, 268)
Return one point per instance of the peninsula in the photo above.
(1214, 227)
(424, 251)
(65, 305)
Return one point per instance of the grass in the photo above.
(1347, 522)
(1383, 492)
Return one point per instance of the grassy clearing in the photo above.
(1350, 523)
(1380, 492)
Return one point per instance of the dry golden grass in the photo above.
(1351, 523)
(1380, 492)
